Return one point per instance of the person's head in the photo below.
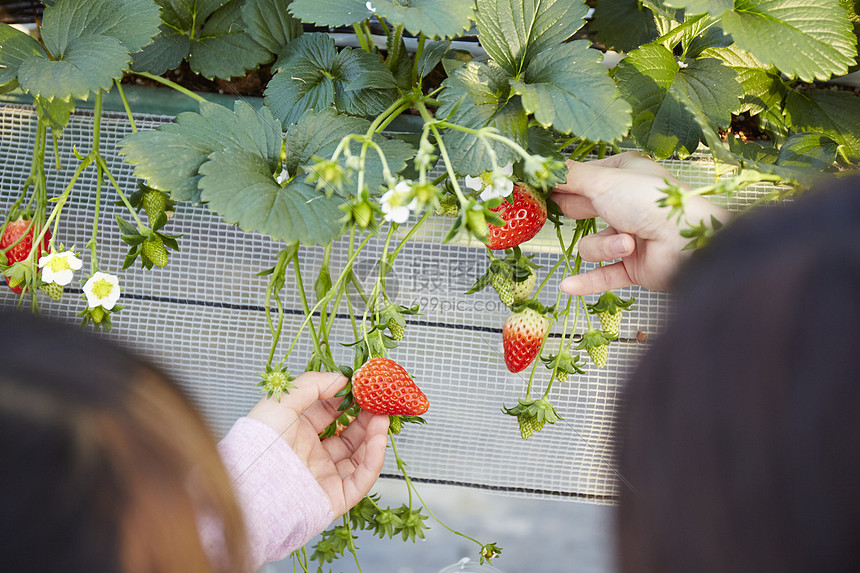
(740, 429)
(104, 465)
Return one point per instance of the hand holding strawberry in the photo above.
(345, 466)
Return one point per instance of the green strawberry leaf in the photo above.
(514, 32)
(650, 79)
(15, 48)
(88, 64)
(270, 24)
(241, 187)
(313, 75)
(713, 7)
(477, 95)
(431, 56)
(433, 18)
(835, 114)
(811, 150)
(818, 31)
(623, 24)
(55, 113)
(331, 12)
(209, 33)
(762, 85)
(567, 88)
(169, 158)
(88, 47)
(132, 22)
(318, 134)
(746, 155)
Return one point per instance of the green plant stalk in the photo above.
(409, 234)
(351, 543)
(411, 487)
(270, 290)
(418, 51)
(173, 85)
(324, 309)
(324, 356)
(359, 33)
(428, 119)
(374, 294)
(94, 266)
(118, 189)
(346, 272)
(125, 105)
(341, 291)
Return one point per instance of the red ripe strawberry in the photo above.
(15, 230)
(524, 218)
(381, 386)
(522, 335)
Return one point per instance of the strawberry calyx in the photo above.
(563, 364)
(611, 303)
(532, 415)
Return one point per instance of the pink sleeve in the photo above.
(283, 505)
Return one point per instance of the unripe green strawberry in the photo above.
(609, 308)
(527, 426)
(449, 206)
(53, 290)
(505, 287)
(599, 355)
(596, 344)
(154, 203)
(523, 290)
(155, 251)
(610, 321)
(395, 424)
(397, 330)
(97, 314)
(561, 375)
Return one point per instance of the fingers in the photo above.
(313, 386)
(574, 206)
(607, 245)
(599, 280)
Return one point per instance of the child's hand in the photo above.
(345, 466)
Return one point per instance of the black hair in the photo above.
(740, 428)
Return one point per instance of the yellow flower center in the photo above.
(102, 288)
(58, 264)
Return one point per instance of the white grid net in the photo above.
(202, 319)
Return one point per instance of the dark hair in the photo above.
(105, 465)
(740, 428)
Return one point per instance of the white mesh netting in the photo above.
(202, 319)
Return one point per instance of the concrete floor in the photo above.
(537, 536)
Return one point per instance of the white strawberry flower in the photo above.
(59, 267)
(493, 184)
(393, 209)
(102, 289)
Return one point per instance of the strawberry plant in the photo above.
(315, 164)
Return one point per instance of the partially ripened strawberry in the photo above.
(522, 335)
(523, 219)
(23, 229)
(381, 386)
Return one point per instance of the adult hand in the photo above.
(345, 466)
(623, 190)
